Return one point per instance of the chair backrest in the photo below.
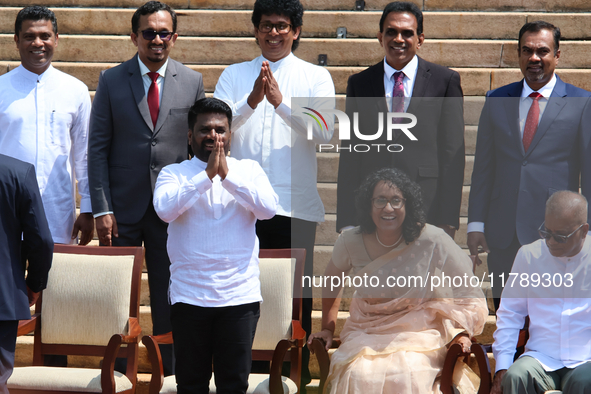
(280, 275)
(91, 294)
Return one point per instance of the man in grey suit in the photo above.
(138, 125)
(24, 235)
(529, 143)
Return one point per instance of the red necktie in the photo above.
(154, 97)
(531, 122)
(398, 93)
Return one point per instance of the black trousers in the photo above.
(8, 330)
(221, 335)
(500, 262)
(152, 233)
(284, 232)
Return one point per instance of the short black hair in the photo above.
(403, 6)
(415, 214)
(34, 13)
(209, 105)
(148, 9)
(535, 27)
(290, 8)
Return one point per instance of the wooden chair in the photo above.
(454, 351)
(279, 329)
(90, 308)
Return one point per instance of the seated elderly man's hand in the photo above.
(325, 335)
(464, 341)
(496, 387)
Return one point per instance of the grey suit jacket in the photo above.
(24, 235)
(125, 151)
(510, 186)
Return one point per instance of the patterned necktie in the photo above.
(531, 122)
(398, 93)
(154, 97)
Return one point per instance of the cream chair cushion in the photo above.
(257, 384)
(87, 299)
(276, 289)
(63, 379)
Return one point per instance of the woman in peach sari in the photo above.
(402, 318)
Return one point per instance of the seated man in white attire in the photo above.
(212, 203)
(552, 288)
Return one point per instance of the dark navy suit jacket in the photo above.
(24, 235)
(510, 186)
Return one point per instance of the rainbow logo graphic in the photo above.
(315, 118)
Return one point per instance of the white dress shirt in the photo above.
(212, 244)
(264, 134)
(408, 82)
(44, 122)
(560, 316)
(524, 105)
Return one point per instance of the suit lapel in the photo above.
(168, 90)
(555, 104)
(421, 81)
(137, 87)
(511, 105)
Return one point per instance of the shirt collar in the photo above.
(279, 63)
(410, 70)
(144, 70)
(36, 77)
(545, 91)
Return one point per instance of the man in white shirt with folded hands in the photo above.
(211, 203)
(551, 286)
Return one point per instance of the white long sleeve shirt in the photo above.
(264, 134)
(560, 315)
(212, 244)
(44, 122)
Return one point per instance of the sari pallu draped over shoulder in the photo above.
(395, 338)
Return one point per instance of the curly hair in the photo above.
(34, 13)
(150, 8)
(290, 8)
(415, 218)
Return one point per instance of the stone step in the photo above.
(426, 5)
(229, 50)
(237, 23)
(328, 166)
(475, 81)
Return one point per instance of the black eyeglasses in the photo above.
(380, 202)
(150, 34)
(561, 239)
(282, 28)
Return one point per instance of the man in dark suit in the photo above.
(529, 140)
(24, 235)
(138, 125)
(436, 159)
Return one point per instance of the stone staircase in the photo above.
(476, 38)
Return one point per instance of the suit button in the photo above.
(152, 166)
(154, 143)
(524, 162)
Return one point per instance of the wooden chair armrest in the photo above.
(108, 368)
(275, 384)
(318, 347)
(27, 326)
(155, 358)
(134, 331)
(163, 339)
(298, 335)
(453, 353)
